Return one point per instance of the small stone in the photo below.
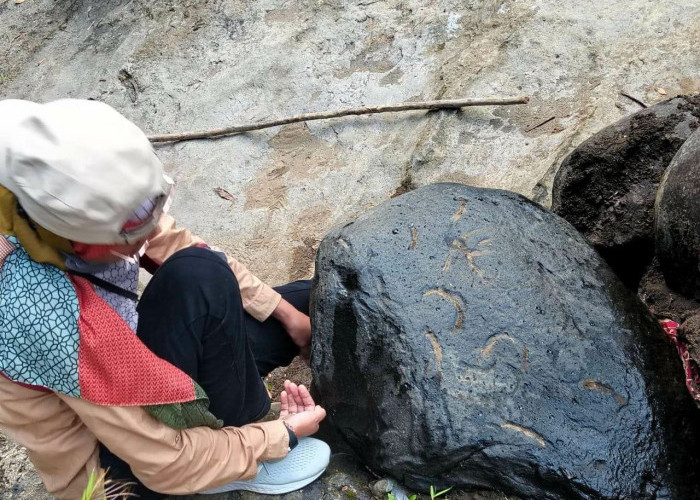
(381, 487)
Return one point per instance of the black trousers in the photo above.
(191, 315)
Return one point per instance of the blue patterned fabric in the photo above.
(123, 274)
(38, 324)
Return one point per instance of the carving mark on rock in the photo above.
(414, 238)
(448, 261)
(526, 432)
(437, 349)
(488, 348)
(460, 211)
(452, 299)
(462, 245)
(594, 385)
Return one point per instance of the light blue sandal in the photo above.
(304, 464)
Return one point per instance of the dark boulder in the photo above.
(663, 302)
(468, 337)
(678, 220)
(607, 186)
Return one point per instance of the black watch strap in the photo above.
(293, 440)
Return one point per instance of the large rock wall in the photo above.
(173, 66)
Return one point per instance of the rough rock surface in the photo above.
(690, 331)
(678, 220)
(469, 337)
(345, 479)
(663, 302)
(193, 64)
(607, 186)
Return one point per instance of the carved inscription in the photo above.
(470, 251)
(526, 432)
(437, 348)
(414, 238)
(594, 385)
(452, 299)
(460, 211)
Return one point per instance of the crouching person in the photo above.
(164, 390)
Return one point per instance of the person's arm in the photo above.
(59, 446)
(61, 436)
(259, 299)
(180, 462)
(297, 325)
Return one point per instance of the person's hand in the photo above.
(297, 324)
(306, 423)
(295, 399)
(298, 410)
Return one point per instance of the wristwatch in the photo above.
(293, 440)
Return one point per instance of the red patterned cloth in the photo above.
(115, 367)
(690, 367)
(6, 248)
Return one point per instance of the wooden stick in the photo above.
(362, 110)
(541, 123)
(632, 98)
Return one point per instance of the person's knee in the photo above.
(191, 295)
(297, 293)
(198, 269)
(202, 253)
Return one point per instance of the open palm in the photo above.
(295, 399)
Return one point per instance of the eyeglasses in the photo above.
(146, 217)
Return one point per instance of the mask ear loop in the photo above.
(127, 258)
(143, 249)
(131, 259)
(170, 193)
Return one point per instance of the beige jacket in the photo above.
(62, 433)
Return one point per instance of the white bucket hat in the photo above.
(80, 169)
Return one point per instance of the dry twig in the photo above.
(642, 104)
(541, 123)
(363, 110)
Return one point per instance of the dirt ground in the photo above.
(298, 372)
(13, 464)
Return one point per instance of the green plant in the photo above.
(101, 488)
(433, 494)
